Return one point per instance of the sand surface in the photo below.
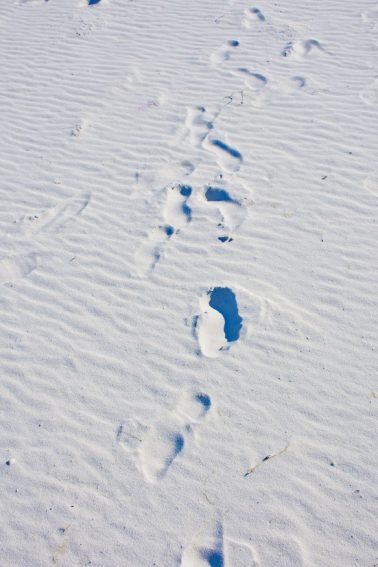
(188, 283)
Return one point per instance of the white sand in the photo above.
(159, 341)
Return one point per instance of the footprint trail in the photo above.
(224, 53)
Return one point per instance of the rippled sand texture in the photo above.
(188, 283)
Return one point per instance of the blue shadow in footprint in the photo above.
(257, 76)
(186, 191)
(223, 300)
(204, 399)
(217, 194)
(231, 151)
(213, 558)
(258, 14)
(177, 444)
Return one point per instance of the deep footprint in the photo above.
(231, 210)
(218, 195)
(228, 149)
(223, 300)
(228, 158)
(219, 324)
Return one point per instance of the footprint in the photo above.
(228, 158)
(169, 173)
(149, 254)
(231, 210)
(158, 451)
(198, 125)
(253, 81)
(176, 213)
(219, 324)
(301, 48)
(224, 53)
(251, 16)
(167, 439)
(297, 82)
(93, 2)
(206, 548)
(53, 219)
(16, 267)
(292, 85)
